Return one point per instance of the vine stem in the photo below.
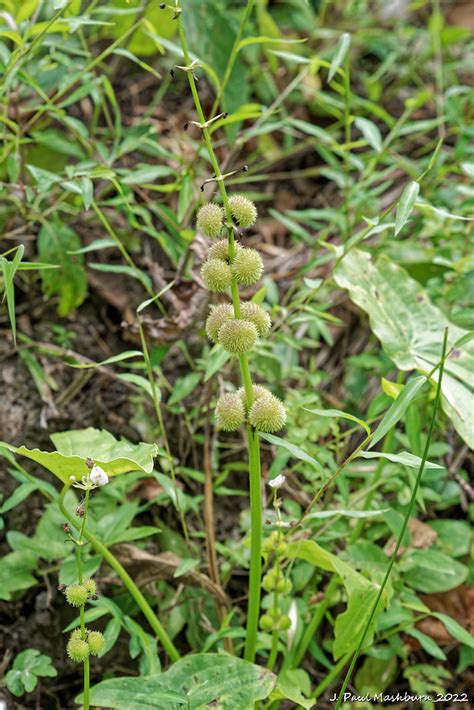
(135, 592)
(252, 435)
(408, 513)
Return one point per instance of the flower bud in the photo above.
(258, 316)
(238, 336)
(243, 210)
(98, 476)
(90, 586)
(267, 414)
(230, 412)
(77, 594)
(209, 219)
(284, 622)
(77, 649)
(96, 642)
(281, 549)
(216, 319)
(216, 274)
(220, 250)
(247, 266)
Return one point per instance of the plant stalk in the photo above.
(253, 440)
(135, 592)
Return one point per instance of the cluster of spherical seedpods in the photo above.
(237, 335)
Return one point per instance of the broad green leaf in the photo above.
(371, 133)
(431, 571)
(456, 630)
(427, 643)
(392, 389)
(405, 205)
(55, 240)
(361, 595)
(410, 329)
(339, 56)
(294, 450)
(16, 572)
(74, 447)
(27, 667)
(405, 458)
(197, 681)
(290, 687)
(335, 413)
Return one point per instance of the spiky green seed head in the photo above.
(216, 319)
(247, 266)
(77, 594)
(220, 250)
(230, 412)
(96, 642)
(238, 336)
(267, 414)
(266, 622)
(281, 549)
(77, 649)
(209, 219)
(258, 391)
(243, 210)
(284, 623)
(216, 274)
(91, 587)
(258, 316)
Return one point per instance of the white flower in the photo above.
(98, 476)
(277, 482)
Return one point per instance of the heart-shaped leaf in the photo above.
(74, 447)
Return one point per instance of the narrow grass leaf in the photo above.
(398, 408)
(341, 51)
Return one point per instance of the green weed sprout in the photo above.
(236, 326)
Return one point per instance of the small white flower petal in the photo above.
(98, 476)
(277, 482)
(293, 614)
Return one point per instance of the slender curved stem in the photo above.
(404, 525)
(135, 592)
(232, 57)
(253, 440)
(80, 575)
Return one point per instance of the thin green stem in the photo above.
(233, 56)
(80, 576)
(159, 415)
(126, 579)
(255, 545)
(253, 440)
(404, 525)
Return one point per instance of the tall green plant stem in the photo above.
(80, 575)
(404, 525)
(145, 608)
(252, 435)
